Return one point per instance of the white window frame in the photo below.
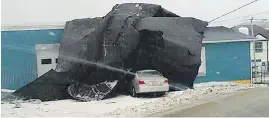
(46, 48)
(260, 48)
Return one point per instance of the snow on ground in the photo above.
(121, 105)
(210, 84)
(71, 108)
(261, 80)
(7, 90)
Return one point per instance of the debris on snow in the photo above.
(35, 101)
(17, 105)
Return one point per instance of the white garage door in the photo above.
(46, 57)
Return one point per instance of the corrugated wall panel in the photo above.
(226, 62)
(19, 57)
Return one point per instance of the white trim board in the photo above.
(237, 40)
(31, 27)
(201, 74)
(47, 46)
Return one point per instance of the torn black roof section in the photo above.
(132, 36)
(181, 31)
(121, 41)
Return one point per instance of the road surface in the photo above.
(250, 103)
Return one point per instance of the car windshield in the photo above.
(149, 74)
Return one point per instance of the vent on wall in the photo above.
(45, 61)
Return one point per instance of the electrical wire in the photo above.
(233, 10)
(267, 12)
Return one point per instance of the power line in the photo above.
(267, 12)
(233, 10)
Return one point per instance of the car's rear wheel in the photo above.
(133, 92)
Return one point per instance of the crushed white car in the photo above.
(149, 81)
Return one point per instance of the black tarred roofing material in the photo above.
(132, 36)
(50, 86)
(94, 92)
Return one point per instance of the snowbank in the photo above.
(211, 84)
(71, 108)
(121, 105)
(175, 98)
(7, 90)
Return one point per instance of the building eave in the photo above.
(31, 27)
(46, 46)
(237, 40)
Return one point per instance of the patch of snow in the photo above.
(71, 108)
(92, 92)
(7, 90)
(212, 84)
(122, 105)
(140, 8)
(17, 105)
(111, 84)
(52, 33)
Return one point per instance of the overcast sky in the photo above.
(28, 12)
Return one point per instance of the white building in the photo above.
(46, 57)
(260, 54)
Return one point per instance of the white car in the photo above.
(149, 81)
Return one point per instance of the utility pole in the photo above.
(267, 64)
(254, 49)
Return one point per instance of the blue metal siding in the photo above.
(226, 62)
(19, 57)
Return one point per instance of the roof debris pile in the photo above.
(110, 49)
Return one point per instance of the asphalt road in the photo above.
(250, 103)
